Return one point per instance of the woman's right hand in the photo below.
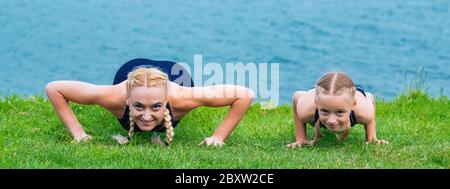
(60, 93)
(82, 137)
(300, 143)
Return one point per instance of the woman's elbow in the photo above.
(51, 88)
(249, 94)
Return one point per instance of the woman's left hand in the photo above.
(213, 140)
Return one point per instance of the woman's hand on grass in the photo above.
(378, 142)
(213, 140)
(81, 137)
(121, 139)
(300, 143)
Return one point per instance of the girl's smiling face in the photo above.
(334, 110)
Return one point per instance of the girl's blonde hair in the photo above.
(334, 83)
(150, 77)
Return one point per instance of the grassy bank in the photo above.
(417, 126)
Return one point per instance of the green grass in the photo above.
(417, 126)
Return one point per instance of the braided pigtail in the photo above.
(168, 124)
(343, 135)
(317, 133)
(169, 131)
(132, 130)
(126, 140)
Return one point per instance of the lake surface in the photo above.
(381, 44)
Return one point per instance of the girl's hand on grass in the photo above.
(300, 143)
(214, 141)
(82, 137)
(378, 142)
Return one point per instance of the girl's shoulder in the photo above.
(306, 106)
(365, 108)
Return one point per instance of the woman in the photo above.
(145, 98)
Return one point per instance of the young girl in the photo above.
(337, 104)
(144, 98)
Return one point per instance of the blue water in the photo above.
(381, 44)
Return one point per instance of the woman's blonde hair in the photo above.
(335, 83)
(150, 77)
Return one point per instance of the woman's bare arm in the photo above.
(61, 92)
(237, 97)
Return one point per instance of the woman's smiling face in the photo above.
(147, 106)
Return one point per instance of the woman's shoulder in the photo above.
(115, 101)
(180, 98)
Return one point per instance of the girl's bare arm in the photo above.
(368, 119)
(301, 137)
